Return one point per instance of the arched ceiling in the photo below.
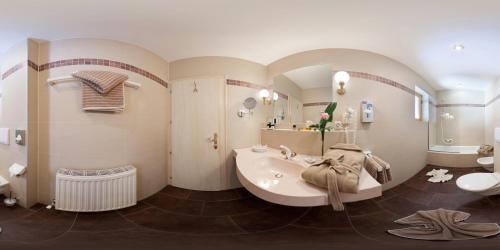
(417, 33)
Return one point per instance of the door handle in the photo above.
(214, 140)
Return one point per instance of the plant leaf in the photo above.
(330, 109)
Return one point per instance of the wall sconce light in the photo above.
(264, 94)
(342, 78)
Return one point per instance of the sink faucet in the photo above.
(287, 152)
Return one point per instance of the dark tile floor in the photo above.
(183, 219)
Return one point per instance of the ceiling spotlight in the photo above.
(458, 47)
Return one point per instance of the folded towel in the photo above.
(102, 91)
(338, 172)
(379, 169)
(111, 102)
(386, 170)
(372, 167)
(485, 150)
(443, 224)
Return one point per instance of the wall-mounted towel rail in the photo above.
(63, 79)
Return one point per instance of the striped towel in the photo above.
(102, 90)
(379, 169)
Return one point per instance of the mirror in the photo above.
(250, 103)
(303, 94)
(280, 107)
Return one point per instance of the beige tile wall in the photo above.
(14, 115)
(467, 129)
(71, 138)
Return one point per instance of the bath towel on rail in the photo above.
(442, 224)
(102, 90)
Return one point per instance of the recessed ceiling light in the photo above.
(458, 47)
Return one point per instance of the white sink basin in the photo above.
(272, 178)
(270, 171)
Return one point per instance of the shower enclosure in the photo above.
(446, 121)
(457, 122)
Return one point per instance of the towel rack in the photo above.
(63, 79)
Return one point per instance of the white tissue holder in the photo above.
(17, 170)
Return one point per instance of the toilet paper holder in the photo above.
(17, 170)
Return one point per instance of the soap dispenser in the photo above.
(367, 112)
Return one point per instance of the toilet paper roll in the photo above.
(16, 170)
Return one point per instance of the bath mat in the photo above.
(435, 172)
(439, 175)
(442, 224)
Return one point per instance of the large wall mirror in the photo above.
(303, 94)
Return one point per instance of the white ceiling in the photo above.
(311, 77)
(415, 32)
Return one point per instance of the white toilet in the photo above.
(486, 162)
(482, 183)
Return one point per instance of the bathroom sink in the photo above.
(270, 171)
(274, 179)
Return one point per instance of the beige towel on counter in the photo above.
(338, 172)
(379, 169)
(443, 224)
(102, 90)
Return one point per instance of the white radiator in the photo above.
(96, 190)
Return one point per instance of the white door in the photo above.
(198, 133)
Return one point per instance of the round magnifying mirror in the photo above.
(250, 103)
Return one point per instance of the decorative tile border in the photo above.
(312, 104)
(252, 86)
(496, 98)
(244, 84)
(33, 65)
(383, 80)
(353, 74)
(281, 95)
(460, 105)
(87, 61)
(12, 70)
